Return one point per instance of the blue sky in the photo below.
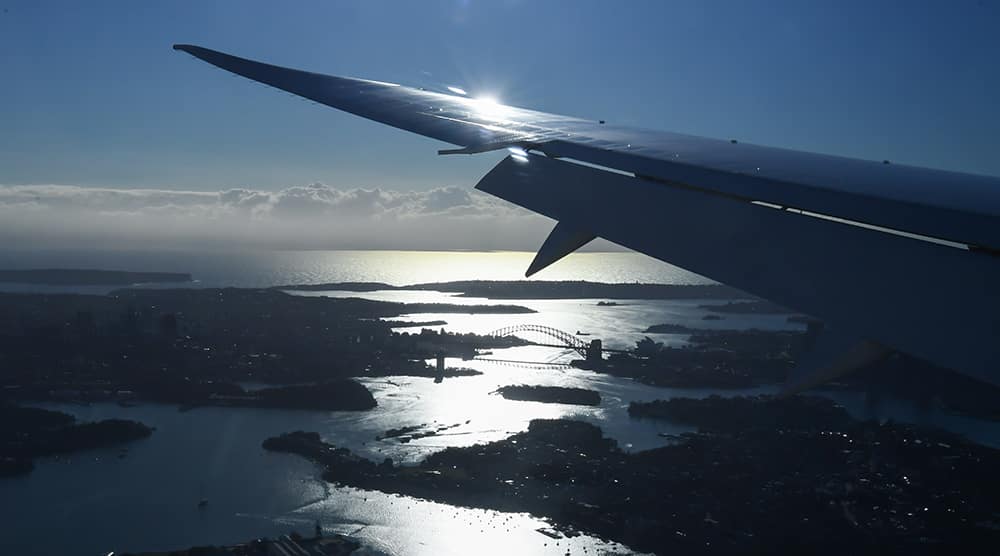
(109, 137)
(93, 95)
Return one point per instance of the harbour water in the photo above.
(146, 497)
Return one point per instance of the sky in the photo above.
(107, 135)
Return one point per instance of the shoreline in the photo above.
(628, 497)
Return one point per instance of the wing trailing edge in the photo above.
(908, 294)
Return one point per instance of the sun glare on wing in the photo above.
(518, 154)
(489, 108)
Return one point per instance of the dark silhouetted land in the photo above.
(713, 358)
(730, 414)
(551, 394)
(857, 487)
(671, 328)
(286, 545)
(331, 395)
(85, 277)
(414, 324)
(413, 432)
(192, 346)
(28, 432)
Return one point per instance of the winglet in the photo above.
(562, 240)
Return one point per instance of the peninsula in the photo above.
(728, 492)
(28, 432)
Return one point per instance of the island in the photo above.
(29, 432)
(551, 394)
(852, 488)
(670, 328)
(407, 433)
(87, 277)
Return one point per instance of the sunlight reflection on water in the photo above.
(618, 326)
(256, 269)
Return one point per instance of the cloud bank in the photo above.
(314, 216)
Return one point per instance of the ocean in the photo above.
(258, 269)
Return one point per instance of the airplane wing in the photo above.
(897, 256)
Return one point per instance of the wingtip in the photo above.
(193, 49)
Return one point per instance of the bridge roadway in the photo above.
(603, 349)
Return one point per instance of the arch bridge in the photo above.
(590, 350)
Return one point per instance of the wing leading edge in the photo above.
(906, 257)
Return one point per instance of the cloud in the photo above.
(314, 216)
